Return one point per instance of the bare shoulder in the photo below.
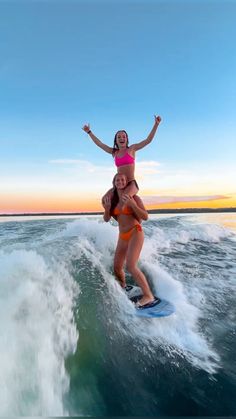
(108, 149)
(132, 149)
(136, 146)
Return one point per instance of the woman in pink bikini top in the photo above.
(124, 160)
(124, 155)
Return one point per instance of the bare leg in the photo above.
(131, 189)
(119, 260)
(134, 249)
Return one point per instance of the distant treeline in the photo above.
(153, 211)
(187, 210)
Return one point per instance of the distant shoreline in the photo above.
(153, 211)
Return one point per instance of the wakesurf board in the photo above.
(158, 308)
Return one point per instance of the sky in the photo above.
(114, 64)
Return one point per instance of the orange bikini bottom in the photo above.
(127, 234)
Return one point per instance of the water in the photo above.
(69, 339)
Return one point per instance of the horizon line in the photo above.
(151, 211)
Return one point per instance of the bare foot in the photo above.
(122, 283)
(146, 300)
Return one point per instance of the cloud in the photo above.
(154, 178)
(144, 168)
(85, 165)
(151, 200)
(66, 161)
(145, 164)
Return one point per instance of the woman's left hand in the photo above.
(86, 128)
(128, 200)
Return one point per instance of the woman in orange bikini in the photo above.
(128, 211)
(124, 155)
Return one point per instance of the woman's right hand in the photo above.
(86, 128)
(106, 203)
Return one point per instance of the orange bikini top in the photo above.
(125, 211)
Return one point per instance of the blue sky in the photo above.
(114, 64)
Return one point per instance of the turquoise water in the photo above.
(70, 342)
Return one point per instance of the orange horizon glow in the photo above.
(56, 204)
(51, 205)
(214, 204)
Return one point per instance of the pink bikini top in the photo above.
(126, 159)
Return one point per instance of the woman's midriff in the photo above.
(126, 233)
(127, 170)
(124, 226)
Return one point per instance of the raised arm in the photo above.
(99, 143)
(150, 137)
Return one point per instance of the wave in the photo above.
(37, 331)
(57, 280)
(179, 332)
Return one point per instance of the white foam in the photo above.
(37, 333)
(36, 297)
(185, 233)
(181, 331)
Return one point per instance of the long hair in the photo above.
(115, 196)
(115, 145)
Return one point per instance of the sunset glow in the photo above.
(59, 72)
(60, 204)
